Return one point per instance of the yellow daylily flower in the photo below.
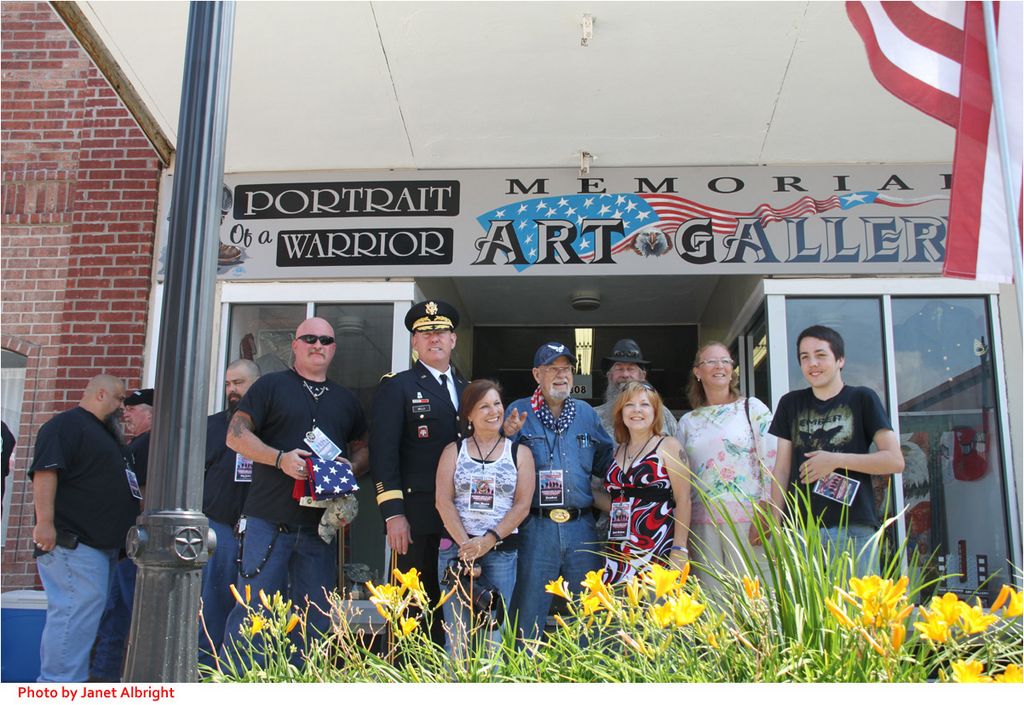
(293, 622)
(685, 574)
(258, 624)
(685, 609)
(592, 604)
(662, 614)
(882, 600)
(712, 640)
(1015, 606)
(974, 620)
(898, 636)
(594, 581)
(934, 628)
(969, 672)
(264, 599)
(409, 624)
(234, 593)
(410, 580)
(752, 588)
(248, 593)
(1012, 674)
(560, 622)
(559, 587)
(948, 607)
(634, 590)
(839, 614)
(663, 580)
(1004, 595)
(447, 596)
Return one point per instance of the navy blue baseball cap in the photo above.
(549, 352)
(139, 396)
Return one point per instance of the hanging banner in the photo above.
(838, 219)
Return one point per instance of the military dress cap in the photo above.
(626, 350)
(139, 396)
(549, 352)
(431, 315)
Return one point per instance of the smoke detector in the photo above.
(585, 300)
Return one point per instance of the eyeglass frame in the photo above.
(717, 362)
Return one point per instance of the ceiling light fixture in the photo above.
(588, 30)
(585, 300)
(585, 159)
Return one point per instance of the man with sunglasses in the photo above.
(283, 419)
(415, 415)
(569, 446)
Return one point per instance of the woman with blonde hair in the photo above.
(727, 446)
(646, 489)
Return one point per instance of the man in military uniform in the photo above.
(415, 414)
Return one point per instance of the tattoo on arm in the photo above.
(239, 424)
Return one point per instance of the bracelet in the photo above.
(680, 548)
(277, 462)
(497, 538)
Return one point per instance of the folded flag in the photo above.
(326, 479)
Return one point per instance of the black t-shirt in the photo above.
(846, 423)
(282, 412)
(94, 500)
(140, 455)
(223, 497)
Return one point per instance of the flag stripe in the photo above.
(931, 32)
(931, 93)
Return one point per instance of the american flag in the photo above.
(329, 478)
(642, 213)
(933, 56)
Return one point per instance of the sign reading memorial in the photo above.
(832, 219)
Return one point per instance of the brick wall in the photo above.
(79, 211)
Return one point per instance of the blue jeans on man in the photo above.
(548, 550)
(497, 569)
(859, 540)
(219, 574)
(297, 564)
(76, 582)
(108, 656)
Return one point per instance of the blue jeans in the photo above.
(299, 566)
(108, 658)
(498, 568)
(548, 550)
(858, 539)
(219, 573)
(76, 583)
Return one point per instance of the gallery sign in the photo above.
(839, 219)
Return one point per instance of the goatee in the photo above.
(115, 424)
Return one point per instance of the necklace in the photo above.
(315, 392)
(627, 460)
(485, 458)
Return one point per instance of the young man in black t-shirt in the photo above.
(829, 428)
(278, 422)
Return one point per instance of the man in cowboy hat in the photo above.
(415, 414)
(627, 364)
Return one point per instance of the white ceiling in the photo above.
(433, 85)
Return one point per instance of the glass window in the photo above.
(263, 333)
(950, 440)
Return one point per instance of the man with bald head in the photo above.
(284, 418)
(225, 488)
(86, 498)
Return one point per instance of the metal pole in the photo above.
(171, 540)
(1004, 152)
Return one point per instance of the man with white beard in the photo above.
(626, 364)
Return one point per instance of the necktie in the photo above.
(444, 382)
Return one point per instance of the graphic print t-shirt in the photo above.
(846, 423)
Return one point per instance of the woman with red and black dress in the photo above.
(646, 490)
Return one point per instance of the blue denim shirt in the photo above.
(585, 449)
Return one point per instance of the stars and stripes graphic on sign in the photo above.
(934, 56)
(645, 222)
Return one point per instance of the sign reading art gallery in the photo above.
(841, 219)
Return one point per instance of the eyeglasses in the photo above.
(310, 339)
(558, 370)
(720, 362)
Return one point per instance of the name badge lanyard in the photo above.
(560, 498)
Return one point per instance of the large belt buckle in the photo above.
(559, 516)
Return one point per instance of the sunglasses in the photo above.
(310, 339)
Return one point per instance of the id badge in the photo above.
(320, 444)
(133, 482)
(481, 493)
(552, 488)
(838, 488)
(243, 468)
(619, 519)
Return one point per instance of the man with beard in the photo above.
(225, 487)
(108, 656)
(626, 364)
(86, 498)
(569, 447)
(281, 421)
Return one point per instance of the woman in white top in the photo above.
(727, 446)
(484, 488)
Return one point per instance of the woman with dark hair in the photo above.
(646, 490)
(484, 488)
(727, 446)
